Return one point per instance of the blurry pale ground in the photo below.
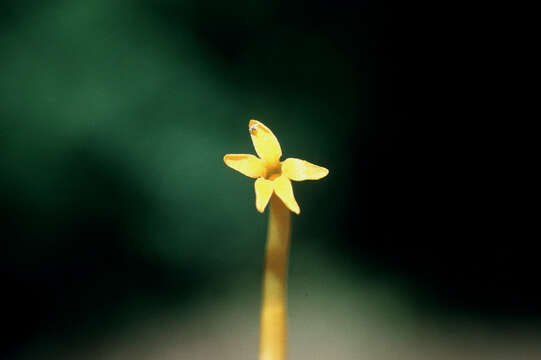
(330, 318)
(114, 120)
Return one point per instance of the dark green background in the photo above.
(116, 205)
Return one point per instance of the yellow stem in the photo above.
(273, 340)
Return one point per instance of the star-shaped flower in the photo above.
(273, 175)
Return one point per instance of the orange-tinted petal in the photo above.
(284, 190)
(265, 143)
(299, 170)
(249, 165)
(263, 193)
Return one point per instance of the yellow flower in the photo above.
(273, 175)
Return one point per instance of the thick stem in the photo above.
(273, 340)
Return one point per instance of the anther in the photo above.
(253, 128)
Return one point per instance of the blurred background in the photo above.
(124, 236)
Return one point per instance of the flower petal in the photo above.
(265, 143)
(284, 190)
(249, 165)
(263, 193)
(299, 170)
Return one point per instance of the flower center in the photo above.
(273, 171)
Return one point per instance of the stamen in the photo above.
(253, 129)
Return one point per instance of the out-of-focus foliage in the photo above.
(108, 111)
